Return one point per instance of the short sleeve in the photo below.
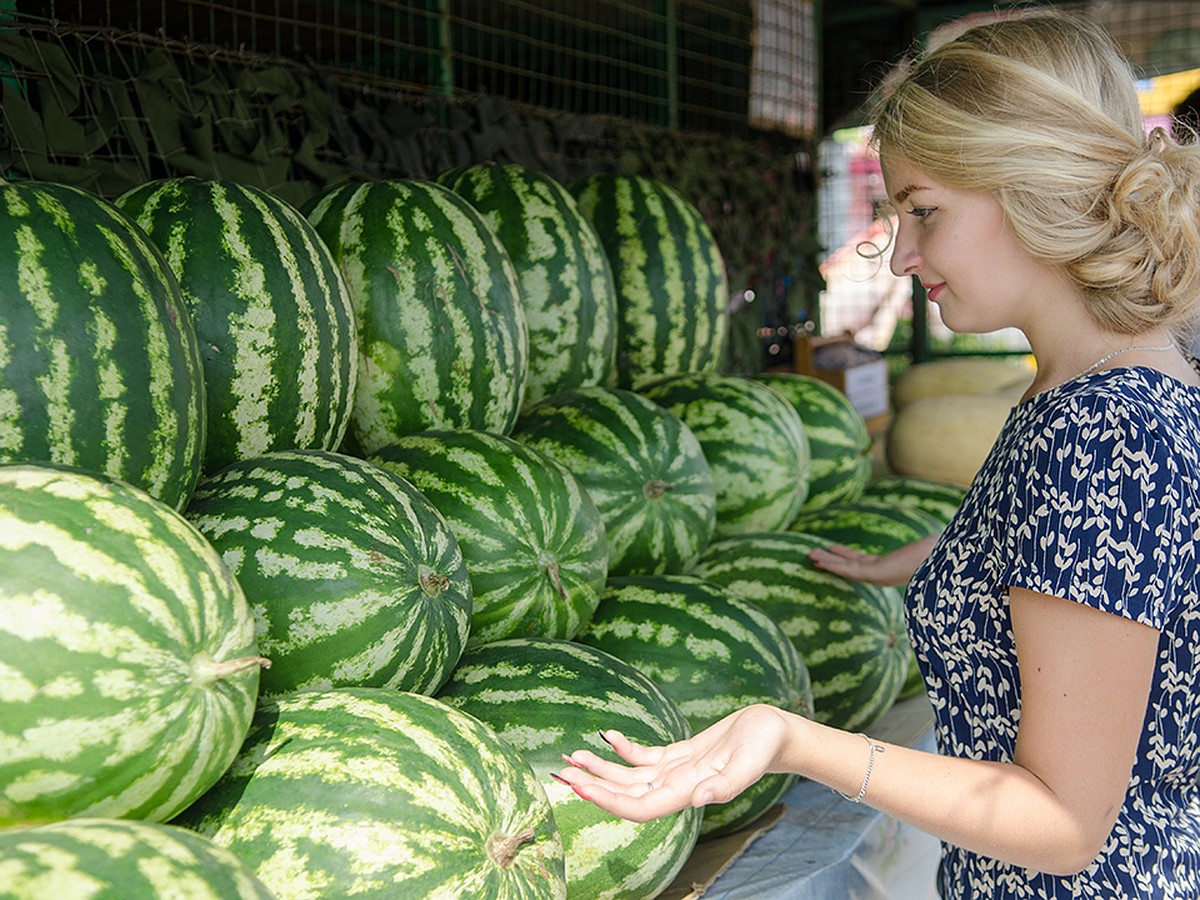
(1097, 512)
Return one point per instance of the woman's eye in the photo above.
(920, 212)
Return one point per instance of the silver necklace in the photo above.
(1102, 360)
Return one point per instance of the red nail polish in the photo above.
(581, 793)
(571, 762)
(560, 779)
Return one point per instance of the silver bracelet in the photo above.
(862, 791)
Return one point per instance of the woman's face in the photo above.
(960, 245)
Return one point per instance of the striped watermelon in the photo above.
(755, 444)
(710, 652)
(641, 465)
(567, 286)
(270, 309)
(672, 292)
(872, 526)
(352, 576)
(381, 793)
(838, 439)
(127, 658)
(99, 364)
(850, 635)
(936, 498)
(121, 859)
(548, 697)
(532, 539)
(442, 334)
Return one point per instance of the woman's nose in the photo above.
(905, 258)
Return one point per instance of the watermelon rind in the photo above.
(566, 282)
(120, 858)
(868, 525)
(380, 793)
(851, 635)
(99, 364)
(936, 498)
(549, 697)
(270, 309)
(353, 577)
(713, 654)
(127, 653)
(532, 539)
(642, 467)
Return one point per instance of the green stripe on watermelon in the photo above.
(567, 287)
(128, 668)
(532, 539)
(119, 858)
(549, 697)
(713, 654)
(872, 526)
(99, 364)
(754, 442)
(374, 792)
(641, 465)
(353, 577)
(672, 292)
(933, 497)
(838, 438)
(442, 334)
(850, 635)
(271, 312)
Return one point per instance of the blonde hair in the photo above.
(1041, 112)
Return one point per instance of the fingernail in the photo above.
(603, 738)
(560, 779)
(570, 762)
(581, 794)
(706, 798)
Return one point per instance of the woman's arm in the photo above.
(1085, 680)
(894, 568)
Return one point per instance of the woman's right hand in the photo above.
(894, 569)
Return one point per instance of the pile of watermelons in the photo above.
(325, 532)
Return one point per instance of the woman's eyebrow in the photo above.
(902, 194)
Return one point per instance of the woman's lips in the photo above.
(932, 290)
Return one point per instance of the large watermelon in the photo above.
(567, 286)
(838, 439)
(641, 465)
(270, 309)
(127, 653)
(851, 635)
(868, 525)
(710, 652)
(354, 579)
(532, 539)
(99, 365)
(550, 697)
(672, 292)
(936, 498)
(442, 334)
(754, 442)
(122, 860)
(369, 792)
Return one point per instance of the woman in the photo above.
(1056, 621)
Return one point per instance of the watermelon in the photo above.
(872, 526)
(755, 444)
(270, 309)
(713, 654)
(382, 793)
(99, 364)
(119, 858)
(548, 697)
(850, 635)
(567, 287)
(532, 539)
(672, 290)
(838, 439)
(936, 498)
(127, 658)
(353, 578)
(443, 340)
(641, 465)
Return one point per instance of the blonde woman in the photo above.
(1057, 620)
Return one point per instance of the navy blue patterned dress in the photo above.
(1091, 493)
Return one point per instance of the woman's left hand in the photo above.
(713, 766)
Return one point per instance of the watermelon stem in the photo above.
(431, 582)
(656, 487)
(551, 564)
(503, 847)
(206, 671)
